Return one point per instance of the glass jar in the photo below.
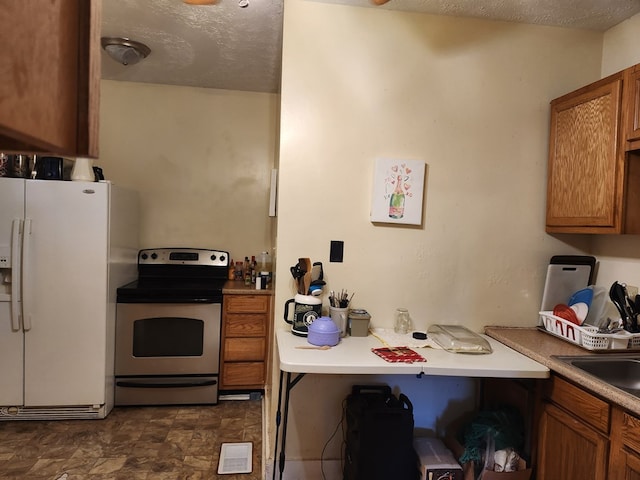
(403, 321)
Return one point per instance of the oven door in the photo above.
(167, 339)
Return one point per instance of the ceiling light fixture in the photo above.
(124, 50)
(199, 2)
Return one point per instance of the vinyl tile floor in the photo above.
(132, 443)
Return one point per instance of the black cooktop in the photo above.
(171, 291)
(177, 275)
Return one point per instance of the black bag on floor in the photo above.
(379, 435)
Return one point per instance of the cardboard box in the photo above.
(436, 461)
(523, 472)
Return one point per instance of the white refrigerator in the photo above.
(65, 247)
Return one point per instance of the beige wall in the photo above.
(200, 158)
(620, 46)
(468, 97)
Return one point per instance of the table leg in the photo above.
(275, 452)
(290, 385)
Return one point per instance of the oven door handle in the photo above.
(129, 384)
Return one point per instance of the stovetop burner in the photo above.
(177, 275)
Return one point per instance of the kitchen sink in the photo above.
(620, 371)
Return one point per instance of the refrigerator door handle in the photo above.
(16, 273)
(26, 298)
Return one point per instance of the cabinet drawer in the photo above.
(631, 431)
(245, 325)
(244, 349)
(246, 303)
(244, 374)
(587, 407)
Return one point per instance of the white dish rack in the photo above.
(588, 336)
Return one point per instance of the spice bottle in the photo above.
(232, 270)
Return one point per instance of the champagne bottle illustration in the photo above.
(396, 205)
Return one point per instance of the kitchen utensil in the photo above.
(5, 165)
(617, 296)
(314, 347)
(566, 274)
(581, 296)
(317, 273)
(458, 339)
(49, 168)
(585, 260)
(630, 308)
(359, 323)
(307, 308)
(597, 315)
(315, 290)
(564, 311)
(323, 331)
(305, 265)
(20, 166)
(83, 170)
(402, 323)
(298, 273)
(581, 310)
(340, 317)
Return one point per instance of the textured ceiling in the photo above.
(229, 46)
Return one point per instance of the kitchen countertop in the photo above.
(237, 287)
(541, 347)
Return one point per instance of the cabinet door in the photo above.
(51, 76)
(569, 448)
(585, 171)
(632, 83)
(631, 466)
(243, 375)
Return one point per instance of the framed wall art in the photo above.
(398, 190)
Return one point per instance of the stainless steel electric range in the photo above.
(168, 328)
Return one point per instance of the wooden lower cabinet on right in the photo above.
(569, 448)
(582, 436)
(624, 463)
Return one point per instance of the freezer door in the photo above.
(11, 335)
(65, 292)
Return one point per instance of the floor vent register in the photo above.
(235, 458)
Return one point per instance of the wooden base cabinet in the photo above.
(584, 437)
(625, 446)
(573, 437)
(572, 449)
(246, 329)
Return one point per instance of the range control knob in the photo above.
(222, 258)
(154, 255)
(213, 257)
(144, 256)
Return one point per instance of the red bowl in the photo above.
(566, 313)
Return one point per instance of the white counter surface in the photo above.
(353, 355)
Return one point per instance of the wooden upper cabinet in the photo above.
(632, 80)
(586, 166)
(50, 67)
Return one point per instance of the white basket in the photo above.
(588, 337)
